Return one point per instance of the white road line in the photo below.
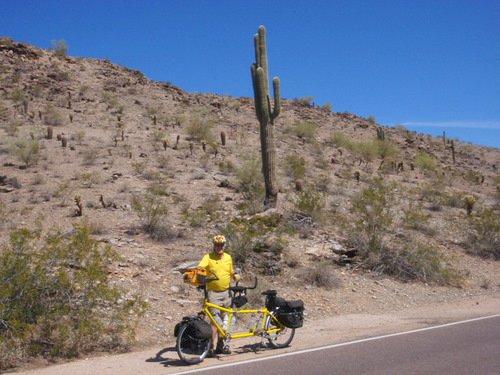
(198, 370)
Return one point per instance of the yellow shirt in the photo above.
(223, 268)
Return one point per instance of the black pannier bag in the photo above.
(290, 314)
(200, 329)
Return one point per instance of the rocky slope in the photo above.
(127, 135)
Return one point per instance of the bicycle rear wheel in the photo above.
(191, 349)
(281, 338)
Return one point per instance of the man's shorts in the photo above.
(220, 299)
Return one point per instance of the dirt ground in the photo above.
(337, 329)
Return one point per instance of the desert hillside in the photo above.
(369, 218)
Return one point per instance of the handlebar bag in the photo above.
(240, 301)
(291, 314)
(195, 276)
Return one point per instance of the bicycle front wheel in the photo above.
(280, 338)
(191, 349)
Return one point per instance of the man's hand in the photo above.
(237, 277)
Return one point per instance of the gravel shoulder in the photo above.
(316, 333)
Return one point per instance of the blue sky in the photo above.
(428, 65)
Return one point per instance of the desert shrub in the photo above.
(52, 116)
(386, 150)
(425, 161)
(60, 47)
(366, 151)
(373, 212)
(414, 261)
(305, 101)
(250, 183)
(200, 124)
(17, 95)
(415, 218)
(90, 178)
(321, 274)
(305, 130)
(255, 243)
(27, 150)
(341, 140)
(371, 119)
(483, 233)
(56, 299)
(370, 235)
(327, 107)
(153, 214)
(295, 166)
(308, 203)
(196, 218)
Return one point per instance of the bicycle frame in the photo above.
(256, 331)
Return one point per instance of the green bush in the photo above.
(60, 47)
(247, 238)
(27, 150)
(56, 299)
(327, 107)
(153, 214)
(305, 130)
(483, 233)
(341, 140)
(309, 203)
(200, 125)
(425, 161)
(415, 261)
(250, 183)
(322, 275)
(295, 166)
(306, 101)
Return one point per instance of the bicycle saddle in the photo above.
(269, 292)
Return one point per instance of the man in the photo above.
(221, 264)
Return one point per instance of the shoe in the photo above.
(211, 353)
(221, 349)
(220, 346)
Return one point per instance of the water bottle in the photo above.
(251, 326)
(226, 318)
(259, 324)
(233, 324)
(218, 319)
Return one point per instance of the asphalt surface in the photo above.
(468, 347)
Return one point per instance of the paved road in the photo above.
(469, 347)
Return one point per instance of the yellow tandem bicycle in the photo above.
(276, 322)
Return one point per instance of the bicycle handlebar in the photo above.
(242, 289)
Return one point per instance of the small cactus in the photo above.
(380, 134)
(452, 147)
(357, 175)
(71, 117)
(299, 185)
(469, 202)
(223, 138)
(164, 141)
(50, 132)
(64, 141)
(79, 205)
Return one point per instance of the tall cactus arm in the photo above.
(277, 98)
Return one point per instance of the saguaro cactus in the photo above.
(266, 115)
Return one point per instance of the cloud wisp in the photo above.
(456, 124)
